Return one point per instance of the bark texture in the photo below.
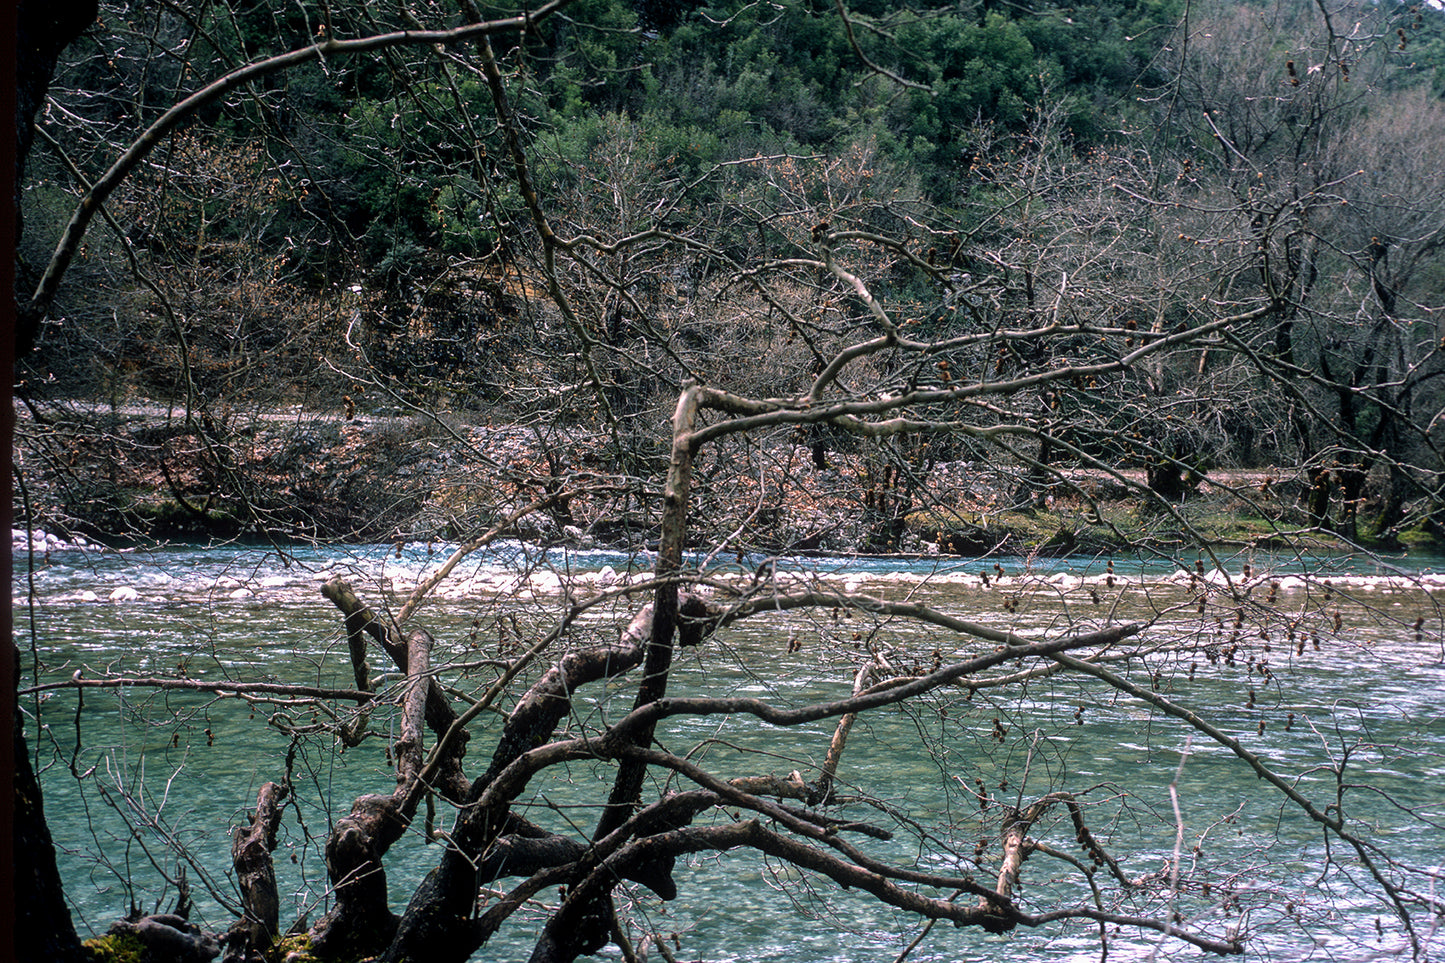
(44, 932)
(43, 928)
(251, 851)
(360, 923)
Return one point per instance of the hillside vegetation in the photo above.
(1026, 188)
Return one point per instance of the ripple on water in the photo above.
(1389, 685)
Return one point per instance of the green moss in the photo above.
(1419, 540)
(1124, 524)
(298, 943)
(127, 948)
(939, 519)
(115, 948)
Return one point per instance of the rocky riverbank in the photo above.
(143, 471)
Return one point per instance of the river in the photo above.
(1352, 714)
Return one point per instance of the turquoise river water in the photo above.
(1350, 710)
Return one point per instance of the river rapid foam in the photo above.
(75, 570)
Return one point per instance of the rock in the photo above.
(44, 542)
(124, 594)
(577, 536)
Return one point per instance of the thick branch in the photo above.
(849, 874)
(821, 792)
(437, 921)
(360, 920)
(440, 717)
(549, 700)
(627, 787)
(359, 619)
(409, 747)
(1016, 846)
(556, 945)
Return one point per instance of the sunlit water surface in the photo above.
(168, 771)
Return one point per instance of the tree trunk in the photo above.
(251, 850)
(1317, 498)
(43, 930)
(360, 923)
(1352, 488)
(1166, 479)
(44, 29)
(438, 924)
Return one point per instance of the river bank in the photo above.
(146, 471)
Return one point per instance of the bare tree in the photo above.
(717, 354)
(1296, 117)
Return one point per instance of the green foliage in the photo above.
(591, 60)
(980, 72)
(1416, 38)
(788, 69)
(116, 948)
(400, 151)
(390, 170)
(408, 171)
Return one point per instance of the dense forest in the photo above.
(352, 235)
(1115, 329)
